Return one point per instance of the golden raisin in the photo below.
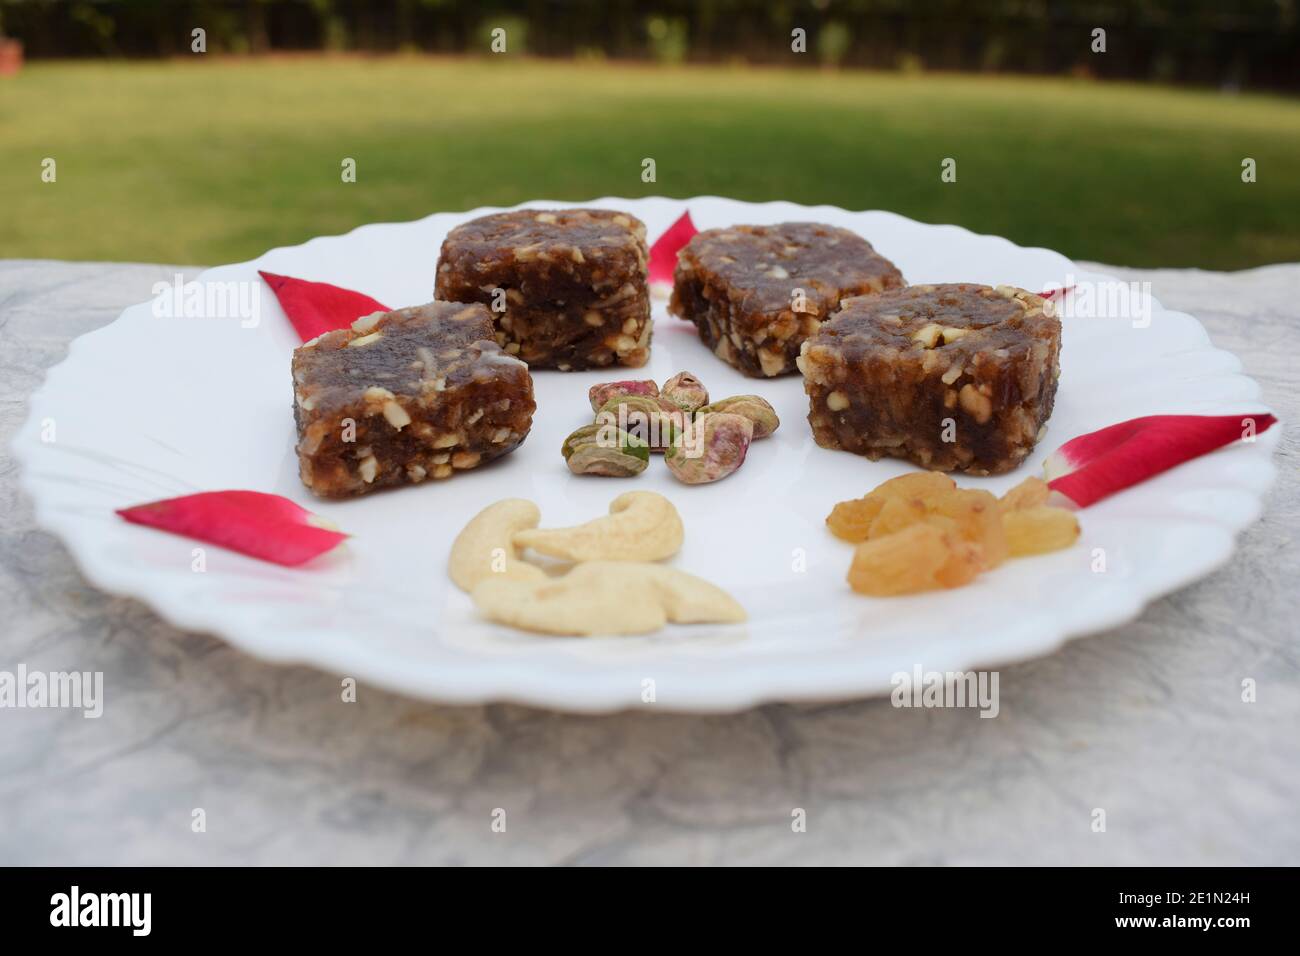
(900, 563)
(895, 515)
(1030, 493)
(1039, 530)
(920, 531)
(965, 562)
(916, 484)
(851, 520)
(978, 519)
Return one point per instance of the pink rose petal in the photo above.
(251, 522)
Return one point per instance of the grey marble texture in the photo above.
(1145, 722)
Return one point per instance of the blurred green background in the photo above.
(213, 158)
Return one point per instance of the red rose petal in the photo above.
(315, 308)
(250, 522)
(1094, 466)
(663, 254)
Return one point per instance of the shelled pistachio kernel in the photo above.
(602, 392)
(758, 410)
(647, 417)
(716, 446)
(605, 449)
(686, 392)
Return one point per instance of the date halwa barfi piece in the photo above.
(406, 396)
(955, 377)
(757, 292)
(567, 288)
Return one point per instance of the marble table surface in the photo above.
(1146, 722)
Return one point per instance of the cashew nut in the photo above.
(640, 526)
(484, 548)
(606, 597)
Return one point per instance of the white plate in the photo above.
(151, 407)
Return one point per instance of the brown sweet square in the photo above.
(407, 396)
(957, 377)
(567, 288)
(757, 292)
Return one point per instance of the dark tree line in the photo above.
(1252, 43)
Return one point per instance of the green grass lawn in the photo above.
(215, 160)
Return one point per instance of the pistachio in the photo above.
(758, 410)
(686, 392)
(602, 393)
(647, 417)
(605, 449)
(713, 446)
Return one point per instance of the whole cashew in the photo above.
(606, 597)
(640, 526)
(484, 548)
